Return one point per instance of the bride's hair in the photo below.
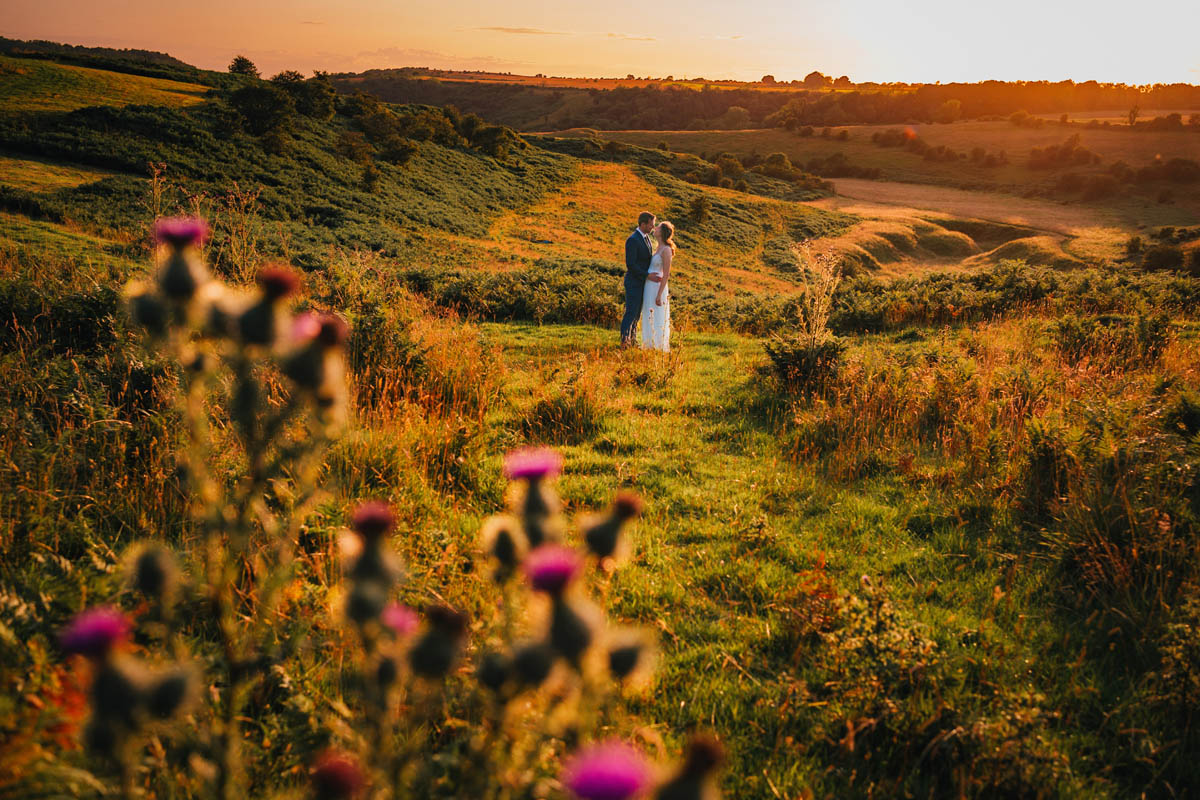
(667, 234)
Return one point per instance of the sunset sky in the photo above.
(1152, 41)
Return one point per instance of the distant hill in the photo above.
(536, 103)
(149, 63)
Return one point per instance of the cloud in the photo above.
(310, 22)
(521, 31)
(627, 37)
(733, 38)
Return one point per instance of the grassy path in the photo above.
(735, 542)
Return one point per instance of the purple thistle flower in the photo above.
(333, 330)
(94, 632)
(337, 776)
(532, 464)
(400, 619)
(306, 327)
(179, 232)
(607, 771)
(551, 567)
(278, 281)
(372, 520)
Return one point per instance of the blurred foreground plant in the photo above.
(267, 392)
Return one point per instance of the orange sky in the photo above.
(870, 40)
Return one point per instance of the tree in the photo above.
(815, 80)
(842, 83)
(767, 79)
(243, 66)
(949, 111)
(1133, 114)
(700, 208)
(264, 108)
(735, 118)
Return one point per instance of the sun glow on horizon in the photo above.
(924, 42)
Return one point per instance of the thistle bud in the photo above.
(436, 651)
(146, 308)
(264, 322)
(573, 629)
(603, 533)
(336, 776)
(372, 520)
(170, 692)
(694, 780)
(631, 654)
(494, 671)
(154, 573)
(505, 542)
(532, 663)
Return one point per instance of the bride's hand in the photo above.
(658, 300)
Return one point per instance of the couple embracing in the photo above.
(648, 253)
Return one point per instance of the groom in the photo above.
(639, 249)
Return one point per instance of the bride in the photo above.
(656, 300)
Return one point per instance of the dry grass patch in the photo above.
(38, 175)
(33, 85)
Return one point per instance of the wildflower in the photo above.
(264, 323)
(505, 542)
(607, 771)
(367, 600)
(539, 505)
(180, 232)
(631, 654)
(603, 534)
(95, 632)
(400, 620)
(336, 776)
(532, 464)
(183, 272)
(317, 366)
(372, 520)
(550, 568)
(694, 780)
(436, 651)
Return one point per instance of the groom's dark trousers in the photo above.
(637, 267)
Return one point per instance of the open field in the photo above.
(36, 85)
(1136, 148)
(41, 175)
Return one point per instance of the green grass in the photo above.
(37, 85)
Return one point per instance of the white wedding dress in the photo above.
(656, 319)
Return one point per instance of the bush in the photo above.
(803, 365)
(700, 208)
(1163, 256)
(264, 108)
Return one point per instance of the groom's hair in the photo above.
(645, 217)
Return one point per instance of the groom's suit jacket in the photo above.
(637, 255)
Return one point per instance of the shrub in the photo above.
(264, 108)
(1163, 256)
(700, 208)
(803, 365)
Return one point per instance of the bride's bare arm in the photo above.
(666, 273)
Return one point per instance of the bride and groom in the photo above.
(648, 253)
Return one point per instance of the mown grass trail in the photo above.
(737, 541)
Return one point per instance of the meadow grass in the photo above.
(37, 85)
(40, 175)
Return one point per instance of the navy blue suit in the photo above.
(637, 267)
